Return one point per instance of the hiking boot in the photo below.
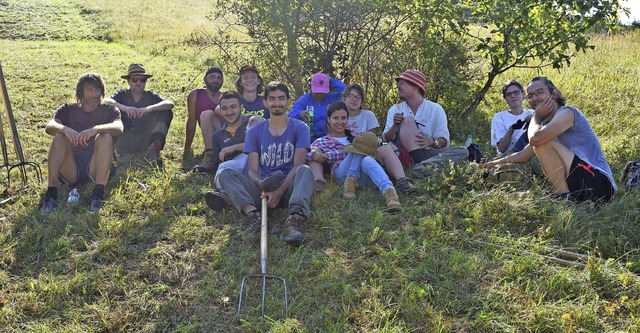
(291, 233)
(152, 154)
(207, 155)
(349, 188)
(320, 185)
(95, 205)
(272, 181)
(391, 196)
(405, 185)
(217, 200)
(48, 205)
(254, 223)
(206, 167)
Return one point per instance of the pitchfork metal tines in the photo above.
(264, 276)
(22, 164)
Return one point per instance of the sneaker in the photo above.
(272, 181)
(207, 167)
(291, 233)
(217, 200)
(95, 205)
(48, 205)
(405, 185)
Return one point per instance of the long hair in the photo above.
(559, 98)
(258, 89)
(336, 106)
(92, 79)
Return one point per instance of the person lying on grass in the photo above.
(564, 142)
(353, 160)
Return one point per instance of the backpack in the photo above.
(631, 175)
(475, 155)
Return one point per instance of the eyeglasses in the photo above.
(513, 93)
(138, 79)
(535, 94)
(356, 97)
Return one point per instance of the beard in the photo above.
(215, 87)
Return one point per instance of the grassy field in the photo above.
(461, 257)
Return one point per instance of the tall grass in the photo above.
(157, 259)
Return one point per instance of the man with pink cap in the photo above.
(324, 91)
(418, 127)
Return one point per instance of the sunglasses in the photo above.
(136, 80)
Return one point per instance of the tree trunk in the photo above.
(479, 95)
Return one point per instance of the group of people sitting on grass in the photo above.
(260, 147)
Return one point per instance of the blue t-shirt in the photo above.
(276, 152)
(319, 108)
(255, 108)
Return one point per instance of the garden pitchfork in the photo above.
(263, 261)
(22, 164)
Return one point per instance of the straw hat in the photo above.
(364, 144)
(136, 69)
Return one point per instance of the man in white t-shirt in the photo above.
(510, 126)
(418, 127)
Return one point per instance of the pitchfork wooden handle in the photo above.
(263, 235)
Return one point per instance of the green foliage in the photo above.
(526, 33)
(461, 256)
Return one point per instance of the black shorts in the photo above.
(82, 159)
(587, 183)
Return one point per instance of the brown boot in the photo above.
(349, 188)
(291, 233)
(393, 204)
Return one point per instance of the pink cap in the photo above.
(320, 83)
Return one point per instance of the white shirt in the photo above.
(431, 118)
(500, 125)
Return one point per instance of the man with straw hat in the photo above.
(145, 114)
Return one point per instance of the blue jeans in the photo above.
(365, 169)
(238, 163)
(242, 191)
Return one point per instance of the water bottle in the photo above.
(74, 196)
(468, 142)
(310, 119)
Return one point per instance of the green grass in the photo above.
(157, 259)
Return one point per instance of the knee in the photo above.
(206, 115)
(104, 141)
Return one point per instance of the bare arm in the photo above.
(503, 143)
(252, 167)
(191, 120)
(540, 134)
(226, 151)
(522, 156)
(299, 158)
